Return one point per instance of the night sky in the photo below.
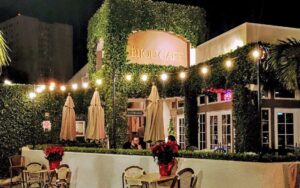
(222, 15)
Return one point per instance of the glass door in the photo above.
(285, 129)
(213, 124)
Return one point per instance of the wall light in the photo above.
(99, 82)
(182, 75)
(74, 86)
(63, 88)
(85, 85)
(128, 77)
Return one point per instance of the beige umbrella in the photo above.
(68, 125)
(154, 130)
(95, 129)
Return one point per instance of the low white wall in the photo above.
(90, 170)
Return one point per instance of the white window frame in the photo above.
(296, 112)
(219, 114)
(269, 127)
(199, 141)
(205, 100)
(180, 117)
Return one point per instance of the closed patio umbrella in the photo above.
(95, 129)
(154, 130)
(68, 125)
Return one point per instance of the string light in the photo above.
(144, 77)
(32, 95)
(51, 87)
(204, 70)
(85, 85)
(63, 88)
(164, 77)
(74, 86)
(128, 77)
(256, 53)
(7, 82)
(40, 89)
(99, 82)
(228, 63)
(182, 75)
(52, 84)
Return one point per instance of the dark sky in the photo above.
(222, 15)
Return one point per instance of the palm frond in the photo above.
(285, 61)
(4, 58)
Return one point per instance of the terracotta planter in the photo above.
(166, 169)
(54, 164)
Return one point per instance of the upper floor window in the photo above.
(282, 93)
(212, 97)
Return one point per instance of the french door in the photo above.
(220, 130)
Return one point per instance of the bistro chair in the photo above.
(17, 165)
(32, 175)
(195, 182)
(132, 172)
(183, 179)
(63, 176)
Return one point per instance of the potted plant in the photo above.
(165, 154)
(54, 155)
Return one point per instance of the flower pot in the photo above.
(54, 164)
(166, 169)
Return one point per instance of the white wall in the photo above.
(104, 170)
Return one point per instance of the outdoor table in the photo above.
(152, 179)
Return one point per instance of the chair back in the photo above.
(17, 160)
(132, 172)
(183, 179)
(63, 172)
(34, 167)
(195, 182)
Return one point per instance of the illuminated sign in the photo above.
(157, 47)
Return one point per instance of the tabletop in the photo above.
(152, 178)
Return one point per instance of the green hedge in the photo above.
(197, 154)
(21, 118)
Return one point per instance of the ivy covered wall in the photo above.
(113, 23)
(21, 119)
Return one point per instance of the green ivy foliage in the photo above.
(21, 118)
(113, 23)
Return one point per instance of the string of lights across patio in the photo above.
(204, 70)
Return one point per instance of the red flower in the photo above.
(54, 153)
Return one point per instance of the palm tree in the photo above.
(4, 58)
(285, 61)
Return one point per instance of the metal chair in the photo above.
(17, 165)
(132, 171)
(32, 174)
(183, 179)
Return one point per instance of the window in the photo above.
(226, 131)
(212, 97)
(284, 93)
(181, 127)
(285, 129)
(265, 128)
(180, 104)
(213, 132)
(201, 100)
(202, 132)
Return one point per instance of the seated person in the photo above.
(172, 138)
(134, 144)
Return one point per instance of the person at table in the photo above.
(172, 138)
(140, 133)
(134, 144)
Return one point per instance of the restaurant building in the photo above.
(280, 109)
